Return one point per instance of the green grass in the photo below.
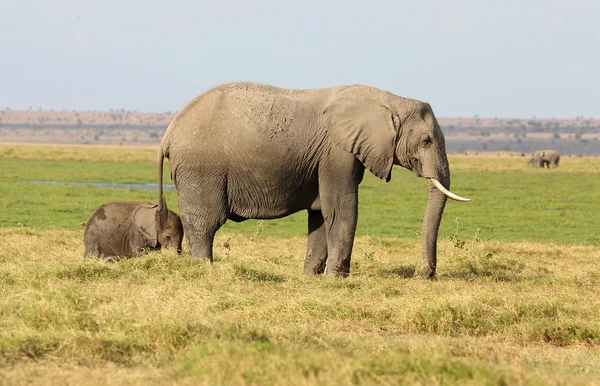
(515, 300)
(510, 201)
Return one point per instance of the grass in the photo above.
(510, 201)
(515, 300)
(499, 312)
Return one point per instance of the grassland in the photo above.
(515, 300)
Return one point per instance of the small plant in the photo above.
(227, 246)
(258, 230)
(455, 239)
(369, 255)
(459, 243)
(476, 237)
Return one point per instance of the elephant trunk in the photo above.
(436, 202)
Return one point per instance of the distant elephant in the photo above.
(546, 158)
(249, 151)
(126, 229)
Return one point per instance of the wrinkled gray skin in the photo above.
(127, 229)
(546, 158)
(248, 151)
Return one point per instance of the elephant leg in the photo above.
(338, 193)
(201, 217)
(340, 214)
(200, 234)
(316, 247)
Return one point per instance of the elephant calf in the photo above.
(126, 229)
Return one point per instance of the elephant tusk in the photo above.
(447, 192)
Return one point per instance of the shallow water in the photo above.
(103, 185)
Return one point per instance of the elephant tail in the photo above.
(162, 213)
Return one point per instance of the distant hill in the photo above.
(133, 118)
(84, 118)
(578, 135)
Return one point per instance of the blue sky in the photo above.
(510, 58)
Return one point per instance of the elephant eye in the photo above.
(427, 139)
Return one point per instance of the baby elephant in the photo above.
(126, 229)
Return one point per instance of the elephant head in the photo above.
(160, 227)
(382, 130)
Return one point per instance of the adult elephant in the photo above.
(546, 158)
(249, 151)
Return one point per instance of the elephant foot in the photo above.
(209, 260)
(342, 274)
(201, 254)
(427, 272)
(315, 270)
(339, 272)
(314, 265)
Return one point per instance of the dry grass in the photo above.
(498, 313)
(472, 162)
(500, 162)
(71, 152)
(514, 163)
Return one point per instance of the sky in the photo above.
(507, 58)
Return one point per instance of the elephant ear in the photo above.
(145, 221)
(358, 124)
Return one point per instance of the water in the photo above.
(103, 185)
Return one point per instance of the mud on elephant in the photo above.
(248, 151)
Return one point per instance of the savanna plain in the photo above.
(515, 300)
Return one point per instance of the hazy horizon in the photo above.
(40, 110)
(509, 59)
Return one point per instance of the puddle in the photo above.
(102, 185)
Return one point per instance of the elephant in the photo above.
(252, 151)
(127, 229)
(546, 158)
